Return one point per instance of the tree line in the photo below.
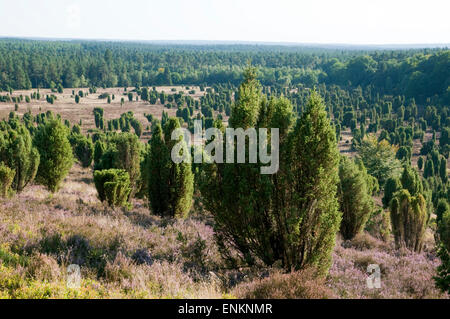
(419, 73)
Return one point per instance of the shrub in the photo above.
(272, 221)
(18, 153)
(55, 152)
(304, 284)
(443, 272)
(355, 200)
(170, 185)
(409, 218)
(113, 186)
(83, 149)
(121, 151)
(6, 179)
(391, 186)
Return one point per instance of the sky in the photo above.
(298, 21)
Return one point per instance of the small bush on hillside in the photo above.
(51, 140)
(302, 284)
(18, 153)
(83, 149)
(113, 186)
(120, 151)
(6, 179)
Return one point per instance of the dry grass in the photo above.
(65, 105)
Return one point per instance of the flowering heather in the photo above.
(129, 253)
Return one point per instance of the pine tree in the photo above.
(410, 180)
(55, 152)
(313, 173)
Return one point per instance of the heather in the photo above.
(130, 253)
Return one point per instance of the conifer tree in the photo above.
(170, 185)
(271, 217)
(429, 169)
(409, 218)
(354, 194)
(83, 148)
(18, 153)
(443, 271)
(120, 151)
(55, 152)
(443, 169)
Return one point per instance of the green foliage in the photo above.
(409, 218)
(98, 116)
(170, 185)
(83, 149)
(120, 151)
(429, 169)
(391, 186)
(272, 220)
(6, 179)
(113, 186)
(410, 181)
(379, 158)
(420, 163)
(443, 169)
(441, 208)
(443, 272)
(18, 153)
(354, 194)
(55, 152)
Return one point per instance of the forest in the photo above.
(422, 74)
(86, 175)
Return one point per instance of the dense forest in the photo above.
(422, 74)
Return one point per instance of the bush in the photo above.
(273, 220)
(443, 277)
(18, 153)
(52, 142)
(304, 284)
(409, 218)
(170, 185)
(83, 149)
(113, 186)
(6, 179)
(120, 151)
(355, 200)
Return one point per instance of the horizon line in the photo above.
(231, 42)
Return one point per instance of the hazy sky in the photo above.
(307, 21)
